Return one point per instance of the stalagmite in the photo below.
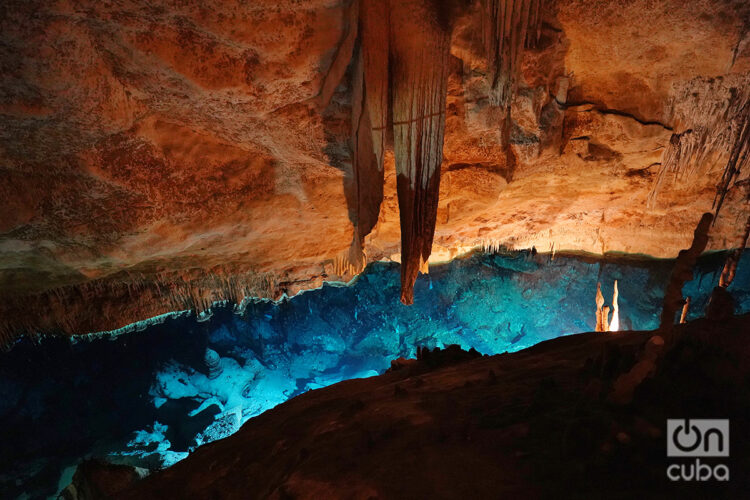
(605, 318)
(615, 324)
(682, 272)
(685, 309)
(599, 311)
(213, 363)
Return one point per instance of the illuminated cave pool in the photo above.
(148, 398)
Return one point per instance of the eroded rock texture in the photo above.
(166, 155)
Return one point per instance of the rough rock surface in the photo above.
(539, 423)
(162, 156)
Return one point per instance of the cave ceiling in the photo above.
(161, 156)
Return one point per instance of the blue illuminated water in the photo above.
(144, 398)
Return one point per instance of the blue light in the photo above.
(146, 398)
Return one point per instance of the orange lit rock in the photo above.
(158, 157)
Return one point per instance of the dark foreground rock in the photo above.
(97, 479)
(539, 423)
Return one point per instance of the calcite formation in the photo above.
(714, 118)
(600, 319)
(213, 363)
(614, 325)
(402, 58)
(370, 95)
(683, 272)
(730, 266)
(157, 157)
(419, 86)
(507, 27)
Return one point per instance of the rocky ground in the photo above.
(559, 419)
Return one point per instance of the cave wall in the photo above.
(163, 156)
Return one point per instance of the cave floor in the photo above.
(531, 424)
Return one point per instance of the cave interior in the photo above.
(374, 248)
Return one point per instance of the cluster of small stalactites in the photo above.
(711, 118)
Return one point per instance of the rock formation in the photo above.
(685, 310)
(721, 304)
(600, 319)
(160, 157)
(730, 266)
(614, 325)
(605, 318)
(213, 363)
(714, 115)
(603, 322)
(507, 27)
(683, 272)
(370, 94)
(94, 479)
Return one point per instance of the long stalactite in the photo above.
(418, 89)
(400, 72)
(400, 79)
(369, 121)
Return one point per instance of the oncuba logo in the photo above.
(697, 438)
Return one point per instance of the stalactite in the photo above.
(342, 58)
(682, 272)
(348, 265)
(402, 62)
(369, 117)
(714, 118)
(195, 290)
(739, 156)
(419, 49)
(492, 246)
(374, 41)
(507, 27)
